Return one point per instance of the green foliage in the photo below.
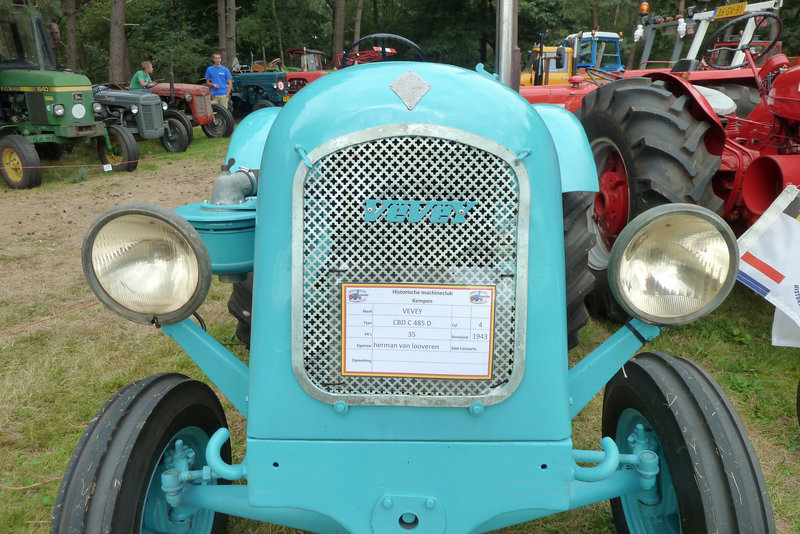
(460, 32)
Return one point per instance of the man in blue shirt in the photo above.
(219, 79)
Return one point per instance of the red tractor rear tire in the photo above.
(650, 150)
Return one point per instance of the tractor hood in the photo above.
(370, 96)
(43, 80)
(125, 98)
(162, 89)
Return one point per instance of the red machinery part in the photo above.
(764, 180)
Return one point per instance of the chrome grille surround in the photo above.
(333, 244)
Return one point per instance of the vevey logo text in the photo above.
(437, 211)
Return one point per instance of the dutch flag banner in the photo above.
(770, 264)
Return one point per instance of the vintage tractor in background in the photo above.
(662, 138)
(257, 90)
(739, 83)
(44, 108)
(304, 66)
(142, 114)
(414, 267)
(191, 104)
(550, 65)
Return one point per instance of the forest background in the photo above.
(107, 39)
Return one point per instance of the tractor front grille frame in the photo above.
(333, 244)
(204, 106)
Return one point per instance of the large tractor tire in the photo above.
(577, 242)
(650, 150)
(19, 163)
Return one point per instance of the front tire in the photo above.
(113, 480)
(649, 150)
(710, 479)
(221, 126)
(19, 163)
(124, 153)
(175, 138)
(187, 124)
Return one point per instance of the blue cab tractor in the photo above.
(418, 270)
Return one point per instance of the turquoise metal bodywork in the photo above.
(335, 467)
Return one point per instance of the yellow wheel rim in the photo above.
(12, 165)
(115, 156)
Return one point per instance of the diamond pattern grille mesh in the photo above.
(340, 246)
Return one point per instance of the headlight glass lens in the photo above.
(134, 109)
(144, 264)
(188, 98)
(676, 268)
(97, 107)
(164, 106)
(58, 110)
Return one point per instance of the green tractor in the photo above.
(42, 110)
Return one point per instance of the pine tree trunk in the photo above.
(338, 27)
(357, 21)
(118, 68)
(222, 30)
(230, 37)
(71, 12)
(278, 31)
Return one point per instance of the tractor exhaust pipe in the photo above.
(764, 180)
(507, 54)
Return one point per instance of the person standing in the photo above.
(219, 79)
(141, 80)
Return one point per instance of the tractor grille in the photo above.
(151, 117)
(36, 108)
(204, 106)
(340, 246)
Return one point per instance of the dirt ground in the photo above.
(43, 228)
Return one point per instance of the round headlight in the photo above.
(97, 107)
(163, 105)
(673, 264)
(188, 98)
(146, 263)
(58, 110)
(134, 109)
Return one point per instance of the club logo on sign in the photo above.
(357, 295)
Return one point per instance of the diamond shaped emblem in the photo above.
(410, 87)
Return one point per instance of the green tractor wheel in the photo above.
(19, 163)
(124, 153)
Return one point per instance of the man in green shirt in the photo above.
(141, 80)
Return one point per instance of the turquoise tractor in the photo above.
(418, 269)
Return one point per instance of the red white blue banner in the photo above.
(770, 263)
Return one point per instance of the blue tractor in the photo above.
(418, 270)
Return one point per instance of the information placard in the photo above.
(435, 331)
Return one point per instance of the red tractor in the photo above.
(726, 137)
(191, 104)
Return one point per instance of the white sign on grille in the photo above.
(433, 331)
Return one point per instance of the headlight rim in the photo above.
(632, 229)
(186, 230)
